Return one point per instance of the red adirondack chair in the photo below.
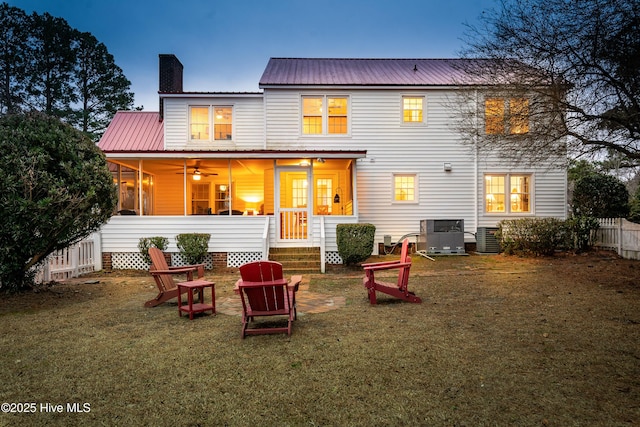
(265, 292)
(399, 289)
(163, 275)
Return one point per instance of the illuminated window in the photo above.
(519, 116)
(494, 116)
(200, 123)
(222, 123)
(494, 193)
(200, 199)
(518, 193)
(404, 188)
(412, 109)
(324, 196)
(502, 116)
(337, 115)
(312, 116)
(299, 193)
(318, 110)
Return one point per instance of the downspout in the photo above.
(475, 162)
(323, 238)
(264, 120)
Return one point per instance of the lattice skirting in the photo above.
(236, 259)
(333, 257)
(134, 261)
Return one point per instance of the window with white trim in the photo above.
(222, 123)
(404, 188)
(506, 116)
(201, 118)
(325, 115)
(199, 123)
(412, 109)
(507, 193)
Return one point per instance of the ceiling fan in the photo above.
(197, 173)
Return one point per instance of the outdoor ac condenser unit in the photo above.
(441, 236)
(486, 241)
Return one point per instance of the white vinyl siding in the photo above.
(274, 123)
(247, 126)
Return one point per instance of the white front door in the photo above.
(293, 204)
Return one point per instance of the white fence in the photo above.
(83, 257)
(619, 235)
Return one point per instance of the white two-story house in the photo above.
(325, 142)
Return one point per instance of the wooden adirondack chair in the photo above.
(265, 292)
(163, 275)
(399, 289)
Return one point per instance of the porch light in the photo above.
(196, 176)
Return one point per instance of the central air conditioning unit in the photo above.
(486, 241)
(441, 236)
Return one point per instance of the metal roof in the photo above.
(133, 131)
(365, 72)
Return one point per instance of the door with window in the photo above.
(293, 204)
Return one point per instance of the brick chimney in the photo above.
(170, 77)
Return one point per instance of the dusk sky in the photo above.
(225, 45)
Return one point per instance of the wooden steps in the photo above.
(297, 260)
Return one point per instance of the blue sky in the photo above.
(225, 45)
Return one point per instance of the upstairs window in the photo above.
(201, 120)
(325, 115)
(312, 115)
(337, 111)
(412, 109)
(222, 123)
(507, 193)
(504, 116)
(200, 123)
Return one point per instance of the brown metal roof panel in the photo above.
(392, 72)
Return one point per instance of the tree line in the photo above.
(47, 66)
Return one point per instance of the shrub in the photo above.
(536, 236)
(145, 243)
(583, 231)
(355, 242)
(193, 247)
(600, 196)
(634, 207)
(56, 190)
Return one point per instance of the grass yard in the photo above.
(497, 341)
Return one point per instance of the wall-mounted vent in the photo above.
(486, 241)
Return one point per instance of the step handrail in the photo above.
(323, 238)
(265, 239)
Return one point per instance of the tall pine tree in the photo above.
(47, 66)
